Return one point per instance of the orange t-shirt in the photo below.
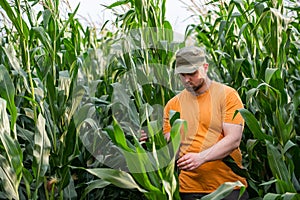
(205, 115)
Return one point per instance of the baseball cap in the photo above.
(189, 59)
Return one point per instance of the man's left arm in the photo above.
(230, 141)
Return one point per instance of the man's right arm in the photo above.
(167, 136)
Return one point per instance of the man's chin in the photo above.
(191, 90)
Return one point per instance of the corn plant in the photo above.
(55, 55)
(133, 78)
(40, 58)
(73, 103)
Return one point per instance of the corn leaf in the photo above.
(279, 169)
(96, 184)
(253, 125)
(118, 178)
(15, 18)
(9, 179)
(41, 152)
(7, 92)
(223, 191)
(45, 39)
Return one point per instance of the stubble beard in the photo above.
(194, 89)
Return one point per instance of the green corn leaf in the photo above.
(27, 178)
(15, 64)
(223, 191)
(118, 178)
(243, 29)
(269, 74)
(271, 196)
(174, 116)
(13, 60)
(46, 18)
(41, 152)
(96, 184)
(140, 9)
(52, 96)
(4, 119)
(65, 25)
(14, 155)
(7, 92)
(85, 114)
(296, 100)
(146, 167)
(65, 177)
(283, 128)
(44, 38)
(229, 161)
(144, 171)
(263, 69)
(9, 179)
(120, 137)
(278, 168)
(69, 190)
(176, 129)
(77, 96)
(237, 68)
(9, 11)
(11, 166)
(16, 19)
(253, 125)
(64, 82)
(261, 19)
(290, 196)
(288, 146)
(129, 109)
(222, 29)
(268, 182)
(117, 3)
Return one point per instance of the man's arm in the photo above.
(167, 136)
(230, 141)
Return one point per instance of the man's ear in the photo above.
(205, 65)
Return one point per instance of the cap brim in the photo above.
(184, 69)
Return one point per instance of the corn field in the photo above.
(74, 99)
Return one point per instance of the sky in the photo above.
(91, 10)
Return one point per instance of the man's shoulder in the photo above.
(178, 97)
(221, 86)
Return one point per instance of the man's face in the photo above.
(194, 81)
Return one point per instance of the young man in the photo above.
(213, 131)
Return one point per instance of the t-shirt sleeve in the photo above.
(232, 104)
(173, 104)
(166, 123)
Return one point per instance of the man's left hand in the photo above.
(190, 161)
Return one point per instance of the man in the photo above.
(213, 130)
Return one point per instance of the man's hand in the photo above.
(143, 137)
(190, 161)
(223, 148)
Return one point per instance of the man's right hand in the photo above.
(143, 137)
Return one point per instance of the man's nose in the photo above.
(186, 78)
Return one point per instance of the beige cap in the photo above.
(189, 59)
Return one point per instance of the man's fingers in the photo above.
(144, 136)
(142, 139)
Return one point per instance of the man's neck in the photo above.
(204, 88)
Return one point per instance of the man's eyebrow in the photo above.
(188, 73)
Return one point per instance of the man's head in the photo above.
(189, 59)
(192, 68)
